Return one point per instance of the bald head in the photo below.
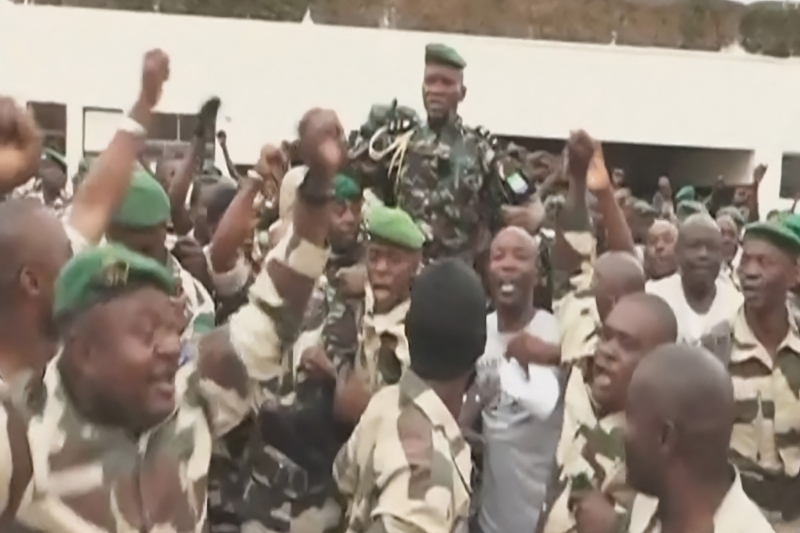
(661, 226)
(623, 269)
(517, 235)
(687, 395)
(699, 220)
(616, 274)
(33, 244)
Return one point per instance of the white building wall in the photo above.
(267, 74)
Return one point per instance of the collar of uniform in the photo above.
(384, 322)
(644, 514)
(415, 390)
(746, 346)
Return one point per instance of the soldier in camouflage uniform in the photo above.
(333, 372)
(679, 415)
(590, 456)
(49, 185)
(764, 368)
(123, 443)
(337, 304)
(443, 173)
(406, 466)
(140, 223)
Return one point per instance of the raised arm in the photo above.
(251, 349)
(108, 180)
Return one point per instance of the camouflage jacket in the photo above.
(765, 444)
(333, 318)
(406, 464)
(200, 305)
(590, 450)
(448, 181)
(383, 348)
(59, 472)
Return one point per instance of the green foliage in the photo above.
(769, 28)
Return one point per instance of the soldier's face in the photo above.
(659, 252)
(442, 90)
(699, 252)
(730, 236)
(131, 354)
(766, 274)
(623, 342)
(512, 269)
(642, 442)
(345, 223)
(390, 270)
(148, 241)
(53, 177)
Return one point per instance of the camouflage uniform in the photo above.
(735, 514)
(406, 465)
(383, 350)
(380, 353)
(288, 484)
(59, 472)
(200, 306)
(450, 182)
(592, 449)
(765, 444)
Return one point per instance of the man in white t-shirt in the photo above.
(700, 298)
(521, 421)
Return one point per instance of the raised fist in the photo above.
(222, 137)
(322, 140)
(579, 153)
(20, 145)
(154, 73)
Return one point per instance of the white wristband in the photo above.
(129, 125)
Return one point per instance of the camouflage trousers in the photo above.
(280, 498)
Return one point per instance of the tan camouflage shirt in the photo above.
(765, 444)
(383, 347)
(736, 514)
(60, 473)
(589, 448)
(406, 464)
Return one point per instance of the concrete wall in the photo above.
(267, 74)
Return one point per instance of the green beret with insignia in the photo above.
(395, 226)
(783, 232)
(685, 193)
(441, 54)
(52, 155)
(100, 270)
(346, 188)
(146, 205)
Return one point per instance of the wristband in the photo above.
(129, 125)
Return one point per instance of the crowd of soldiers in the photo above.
(415, 328)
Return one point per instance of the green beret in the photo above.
(442, 54)
(146, 205)
(685, 193)
(783, 232)
(89, 275)
(346, 188)
(394, 225)
(49, 153)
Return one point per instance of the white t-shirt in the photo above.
(692, 325)
(519, 446)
